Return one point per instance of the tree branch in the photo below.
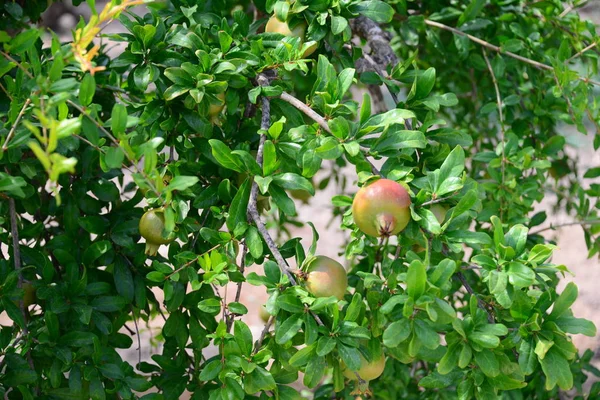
(590, 222)
(263, 334)
(14, 232)
(497, 49)
(501, 118)
(377, 40)
(14, 127)
(252, 209)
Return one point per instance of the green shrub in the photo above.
(214, 123)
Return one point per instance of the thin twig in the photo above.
(238, 291)
(501, 120)
(14, 231)
(187, 264)
(137, 330)
(463, 280)
(306, 110)
(589, 47)
(591, 222)
(438, 200)
(495, 48)
(263, 334)
(14, 127)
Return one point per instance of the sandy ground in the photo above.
(571, 252)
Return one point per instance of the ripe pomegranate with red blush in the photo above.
(381, 208)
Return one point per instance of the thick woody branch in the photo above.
(382, 53)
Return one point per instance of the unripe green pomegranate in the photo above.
(382, 208)
(439, 211)
(326, 277)
(151, 227)
(274, 25)
(368, 370)
(264, 314)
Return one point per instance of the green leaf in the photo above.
(472, 11)
(12, 185)
(270, 161)
(338, 24)
(416, 279)
(540, 253)
(288, 329)
(396, 139)
(396, 333)
(118, 119)
(350, 356)
(314, 371)
(303, 356)
(520, 275)
(114, 157)
(87, 89)
(282, 200)
(224, 156)
(108, 303)
(487, 361)
(425, 83)
(291, 181)
(484, 340)
(325, 345)
(330, 149)
(243, 336)
(576, 326)
(181, 183)
(557, 370)
(564, 301)
(259, 380)
(376, 10)
(123, 279)
(23, 41)
(254, 242)
(210, 371)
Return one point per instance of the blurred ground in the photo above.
(572, 250)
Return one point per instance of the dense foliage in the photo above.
(214, 123)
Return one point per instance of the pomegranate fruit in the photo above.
(368, 370)
(215, 109)
(439, 211)
(274, 25)
(381, 208)
(326, 277)
(151, 227)
(264, 314)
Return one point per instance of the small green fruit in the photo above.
(368, 370)
(151, 227)
(326, 277)
(274, 25)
